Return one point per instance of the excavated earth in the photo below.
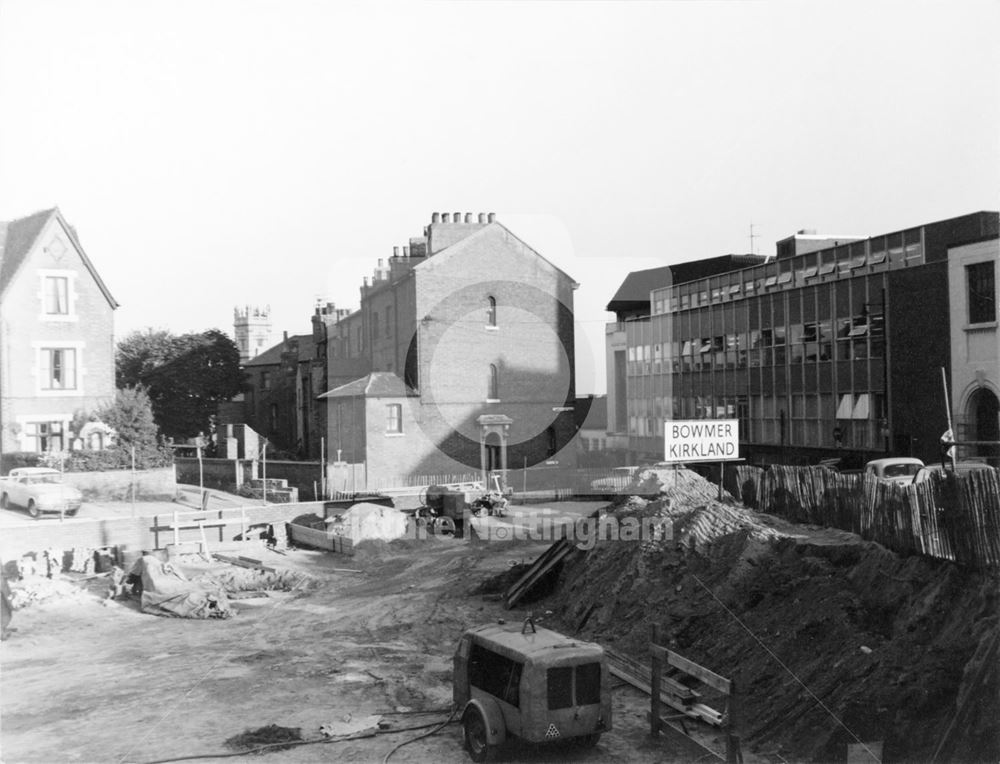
(830, 640)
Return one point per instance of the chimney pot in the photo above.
(468, 217)
(406, 251)
(436, 217)
(380, 259)
(482, 218)
(445, 217)
(492, 217)
(458, 217)
(286, 335)
(395, 251)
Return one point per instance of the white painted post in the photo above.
(264, 462)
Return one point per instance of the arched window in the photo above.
(491, 311)
(493, 391)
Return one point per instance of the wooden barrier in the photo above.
(952, 517)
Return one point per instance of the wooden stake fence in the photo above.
(951, 517)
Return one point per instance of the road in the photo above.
(89, 682)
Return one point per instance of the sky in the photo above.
(214, 154)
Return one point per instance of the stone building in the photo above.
(57, 352)
(973, 294)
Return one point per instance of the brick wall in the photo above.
(117, 485)
(221, 474)
(132, 535)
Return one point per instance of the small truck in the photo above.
(530, 683)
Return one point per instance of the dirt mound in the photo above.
(875, 645)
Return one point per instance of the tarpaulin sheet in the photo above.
(166, 591)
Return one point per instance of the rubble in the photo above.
(888, 644)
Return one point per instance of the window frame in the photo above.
(68, 279)
(982, 309)
(394, 419)
(47, 365)
(493, 384)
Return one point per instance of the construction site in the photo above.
(731, 634)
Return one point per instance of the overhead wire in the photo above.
(791, 673)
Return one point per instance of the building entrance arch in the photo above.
(983, 414)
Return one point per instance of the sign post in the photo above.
(702, 440)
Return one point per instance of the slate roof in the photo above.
(634, 291)
(378, 384)
(272, 356)
(17, 237)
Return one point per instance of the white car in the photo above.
(39, 490)
(616, 482)
(896, 469)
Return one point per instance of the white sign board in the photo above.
(702, 440)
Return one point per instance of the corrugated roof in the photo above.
(378, 384)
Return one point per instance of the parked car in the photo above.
(616, 482)
(39, 490)
(961, 468)
(895, 469)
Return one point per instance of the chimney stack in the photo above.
(445, 217)
(395, 251)
(406, 251)
(436, 217)
(468, 217)
(492, 217)
(458, 217)
(482, 218)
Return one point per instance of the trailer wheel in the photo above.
(444, 526)
(474, 734)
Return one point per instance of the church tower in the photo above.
(252, 325)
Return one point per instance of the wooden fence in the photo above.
(954, 518)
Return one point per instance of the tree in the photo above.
(131, 417)
(141, 352)
(202, 371)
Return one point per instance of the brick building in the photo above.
(467, 335)
(831, 349)
(460, 356)
(57, 354)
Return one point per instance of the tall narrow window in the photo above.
(394, 417)
(493, 391)
(491, 311)
(981, 279)
(56, 295)
(58, 369)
